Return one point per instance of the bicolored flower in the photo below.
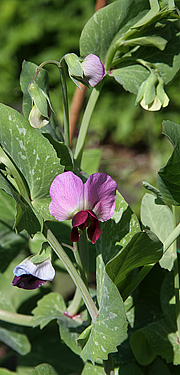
(86, 204)
(29, 275)
(93, 69)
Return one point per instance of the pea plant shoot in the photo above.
(56, 218)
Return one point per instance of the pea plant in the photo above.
(56, 218)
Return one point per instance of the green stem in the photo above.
(109, 365)
(42, 65)
(65, 104)
(81, 257)
(75, 304)
(84, 254)
(79, 262)
(72, 272)
(85, 123)
(20, 319)
(176, 280)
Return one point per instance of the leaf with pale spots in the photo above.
(33, 157)
(110, 327)
(50, 307)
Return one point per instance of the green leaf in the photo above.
(130, 368)
(13, 297)
(47, 346)
(155, 339)
(117, 232)
(166, 62)
(169, 176)
(17, 341)
(70, 330)
(50, 307)
(158, 217)
(32, 154)
(3, 371)
(144, 248)
(114, 19)
(28, 71)
(110, 327)
(151, 40)
(130, 76)
(91, 160)
(74, 65)
(7, 208)
(25, 217)
(168, 303)
(44, 369)
(64, 153)
(89, 368)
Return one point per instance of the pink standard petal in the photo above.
(66, 194)
(100, 195)
(93, 69)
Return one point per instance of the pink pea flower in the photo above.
(86, 204)
(93, 69)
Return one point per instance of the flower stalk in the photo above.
(19, 319)
(85, 123)
(91, 307)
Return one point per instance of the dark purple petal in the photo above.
(100, 195)
(27, 282)
(74, 234)
(80, 219)
(83, 220)
(94, 230)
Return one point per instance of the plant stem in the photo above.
(85, 123)
(20, 319)
(72, 272)
(81, 257)
(65, 104)
(42, 65)
(75, 304)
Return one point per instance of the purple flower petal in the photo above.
(100, 195)
(66, 194)
(93, 69)
(27, 282)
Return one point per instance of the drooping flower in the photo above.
(86, 204)
(151, 94)
(29, 275)
(93, 69)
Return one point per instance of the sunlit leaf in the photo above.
(158, 217)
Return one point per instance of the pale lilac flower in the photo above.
(86, 204)
(30, 275)
(93, 69)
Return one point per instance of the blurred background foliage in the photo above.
(130, 138)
